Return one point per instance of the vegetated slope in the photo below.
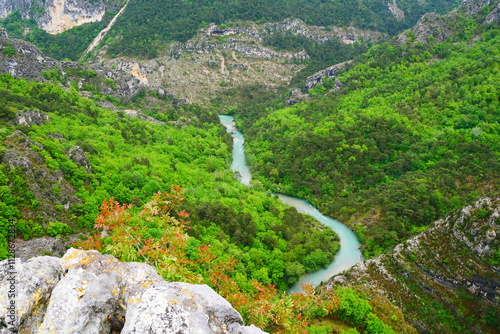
(67, 45)
(217, 59)
(447, 278)
(413, 135)
(22, 59)
(61, 156)
(146, 25)
(62, 29)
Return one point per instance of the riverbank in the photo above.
(349, 253)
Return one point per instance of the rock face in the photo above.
(28, 62)
(329, 72)
(430, 25)
(454, 264)
(87, 292)
(493, 17)
(56, 16)
(441, 27)
(77, 154)
(473, 6)
(27, 249)
(217, 58)
(395, 10)
(49, 186)
(295, 97)
(31, 117)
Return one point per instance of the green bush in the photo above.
(56, 229)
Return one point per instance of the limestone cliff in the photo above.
(447, 279)
(56, 16)
(329, 72)
(87, 292)
(28, 62)
(50, 188)
(218, 58)
(442, 27)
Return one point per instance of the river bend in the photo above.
(349, 253)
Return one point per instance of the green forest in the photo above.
(212, 229)
(131, 160)
(412, 136)
(146, 27)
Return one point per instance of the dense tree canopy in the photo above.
(413, 135)
(132, 159)
(147, 26)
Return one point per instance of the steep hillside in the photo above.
(199, 48)
(55, 17)
(62, 29)
(22, 59)
(409, 134)
(61, 156)
(146, 26)
(446, 279)
(217, 59)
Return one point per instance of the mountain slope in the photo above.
(412, 135)
(446, 279)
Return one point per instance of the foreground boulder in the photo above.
(88, 292)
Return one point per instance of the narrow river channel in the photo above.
(349, 253)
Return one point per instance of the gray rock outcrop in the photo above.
(30, 117)
(27, 249)
(430, 25)
(471, 7)
(441, 27)
(77, 154)
(27, 62)
(493, 17)
(452, 259)
(329, 72)
(88, 292)
(295, 97)
(56, 16)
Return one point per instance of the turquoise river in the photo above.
(349, 253)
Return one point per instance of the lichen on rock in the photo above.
(88, 292)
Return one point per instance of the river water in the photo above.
(349, 253)
(239, 164)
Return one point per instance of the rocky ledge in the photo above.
(443, 277)
(88, 292)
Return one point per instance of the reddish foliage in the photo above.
(262, 305)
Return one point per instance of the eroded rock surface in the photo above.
(56, 16)
(88, 292)
(27, 249)
(30, 117)
(451, 264)
(329, 72)
(441, 27)
(28, 62)
(217, 59)
(49, 186)
(77, 154)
